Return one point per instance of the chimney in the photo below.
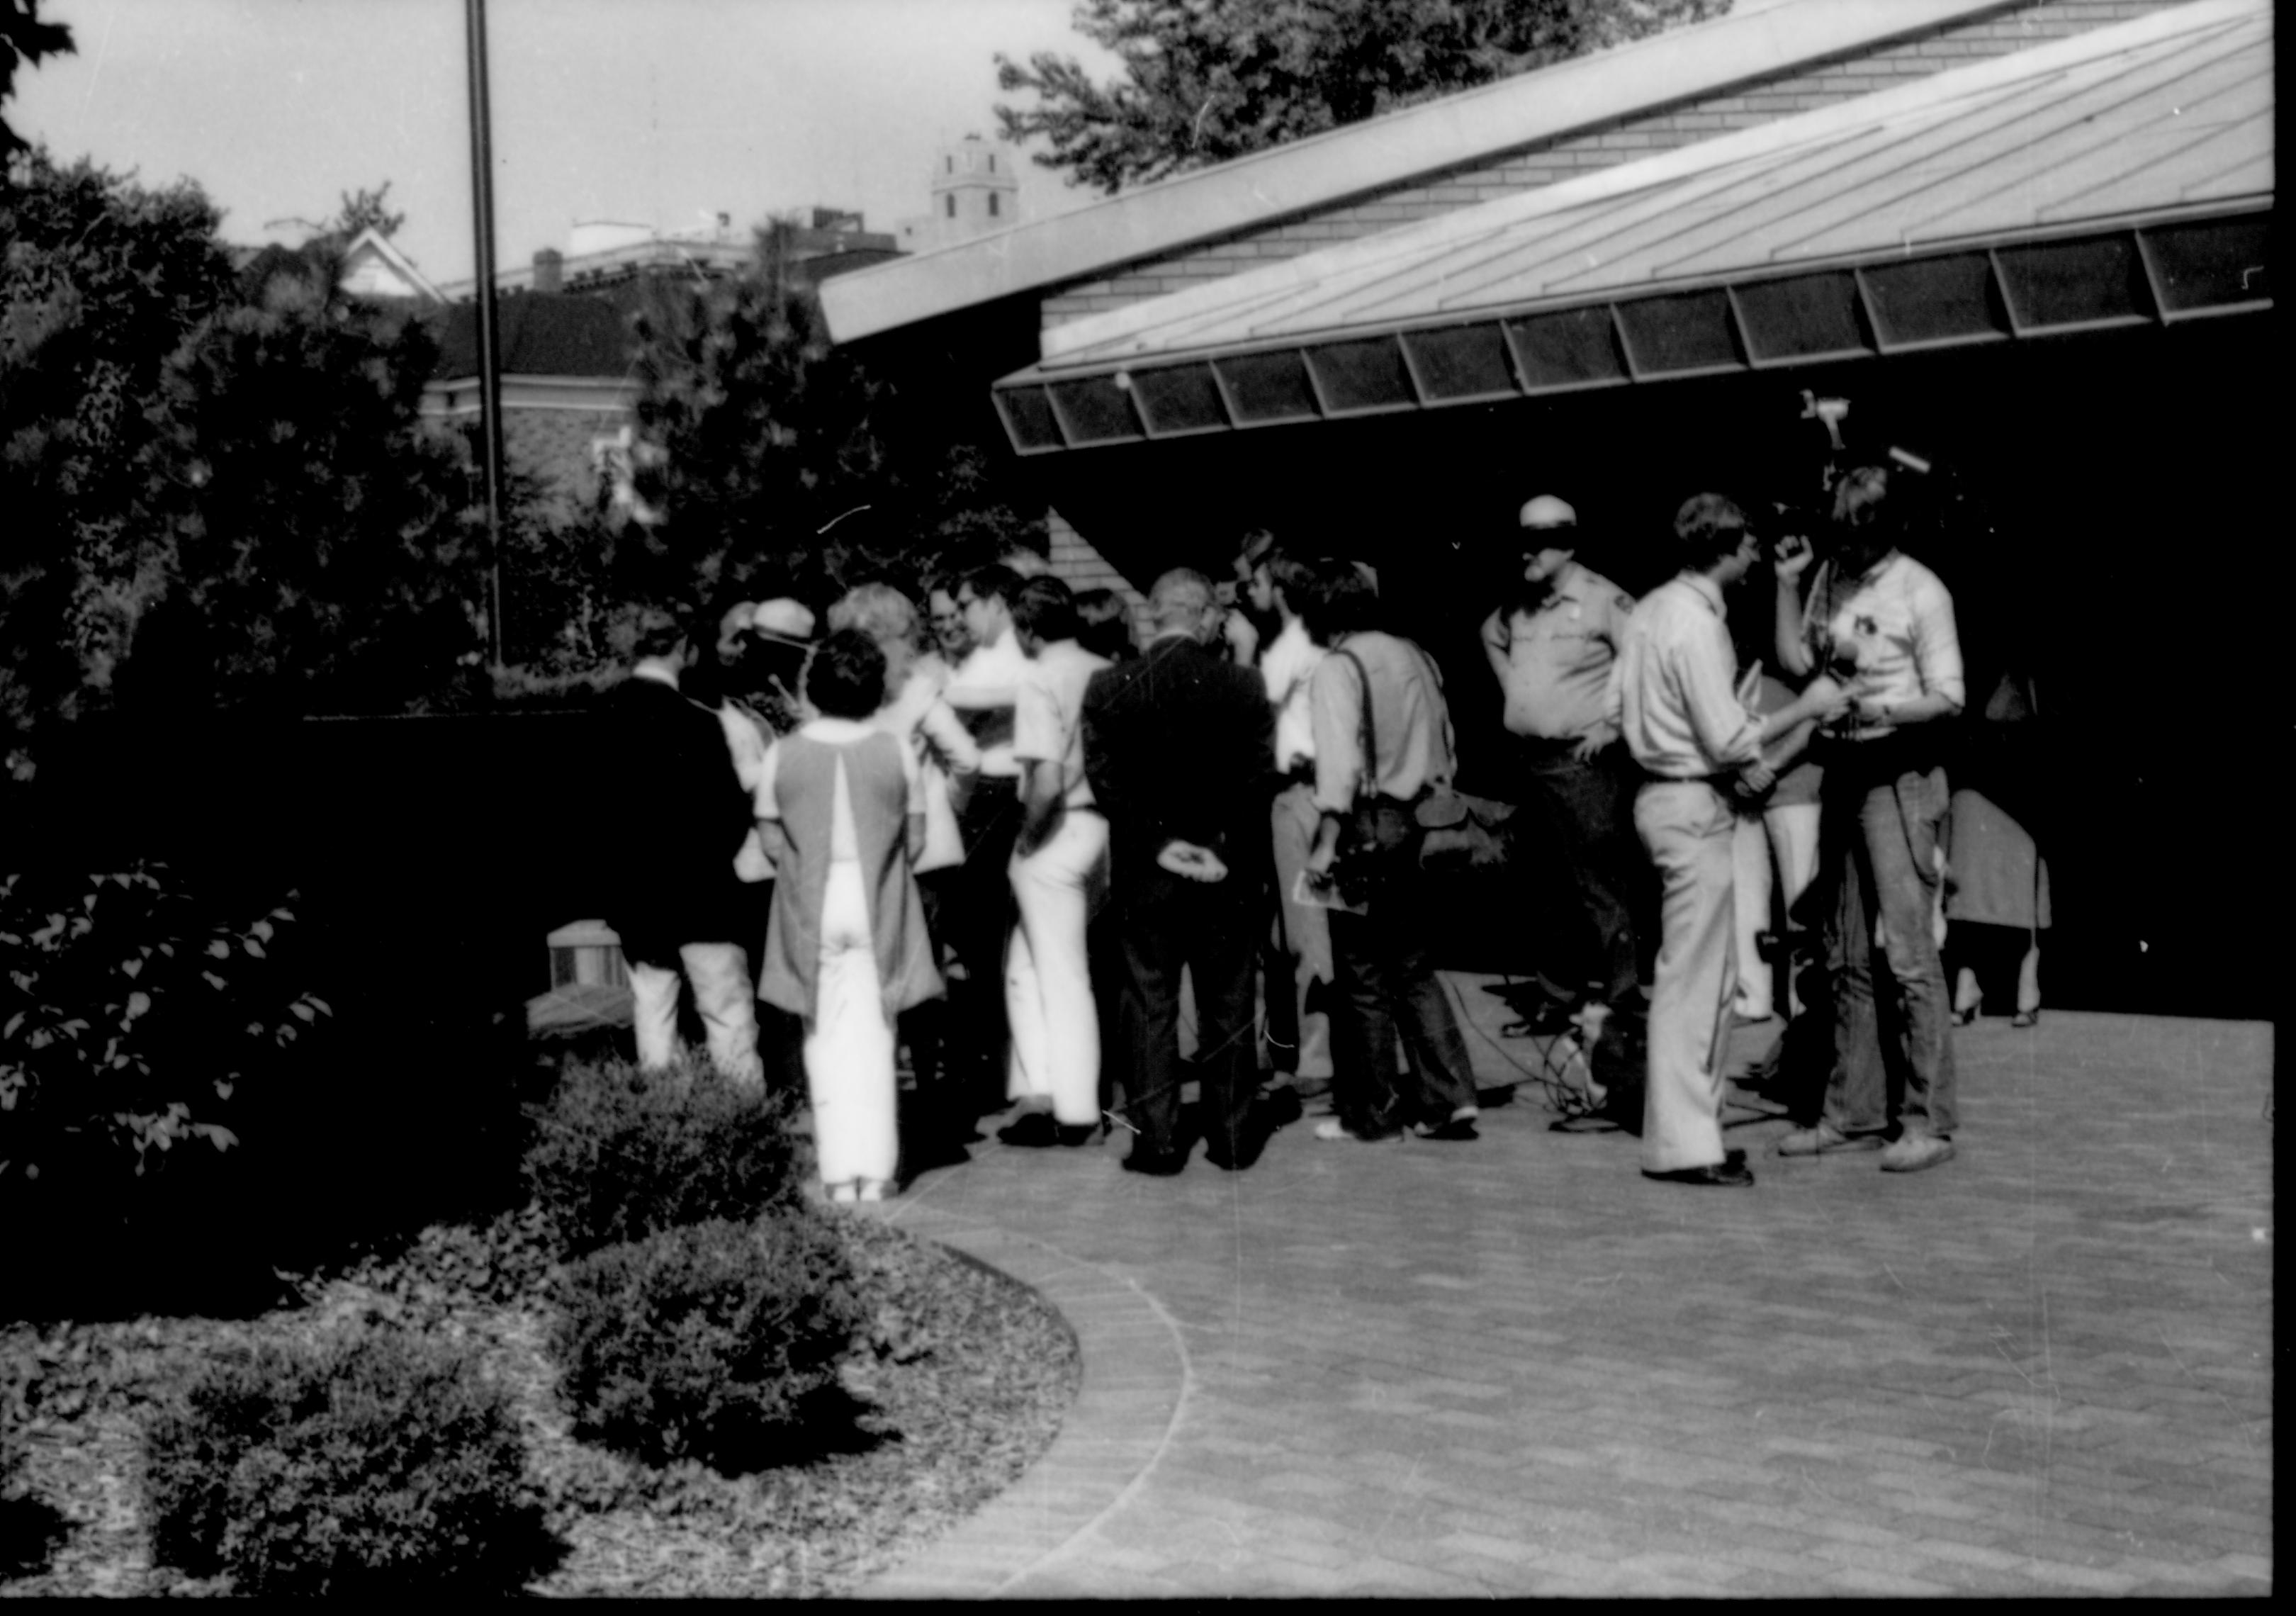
(549, 270)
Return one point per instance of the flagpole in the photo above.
(482, 210)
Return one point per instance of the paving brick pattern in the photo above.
(1516, 1367)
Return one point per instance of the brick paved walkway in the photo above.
(1516, 1367)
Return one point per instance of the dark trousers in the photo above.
(977, 915)
(1386, 994)
(1581, 814)
(1163, 923)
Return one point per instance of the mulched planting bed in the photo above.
(960, 1384)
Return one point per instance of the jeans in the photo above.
(1882, 824)
(1387, 994)
(1580, 810)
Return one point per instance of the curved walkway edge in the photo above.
(1134, 1380)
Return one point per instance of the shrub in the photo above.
(131, 1010)
(716, 1341)
(620, 1154)
(380, 1462)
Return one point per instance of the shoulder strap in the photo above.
(1367, 785)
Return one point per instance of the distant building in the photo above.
(975, 189)
(372, 269)
(563, 330)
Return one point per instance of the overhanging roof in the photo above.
(2123, 176)
(1380, 153)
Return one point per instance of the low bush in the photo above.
(620, 1153)
(716, 1341)
(380, 1462)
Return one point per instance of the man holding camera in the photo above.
(1875, 613)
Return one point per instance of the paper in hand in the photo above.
(1322, 895)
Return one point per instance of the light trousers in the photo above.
(1048, 997)
(722, 994)
(848, 1046)
(1689, 828)
(1307, 936)
(1777, 852)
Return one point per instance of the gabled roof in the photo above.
(2119, 177)
(1377, 154)
(371, 263)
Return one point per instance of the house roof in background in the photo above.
(541, 333)
(1379, 153)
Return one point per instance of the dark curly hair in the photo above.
(847, 677)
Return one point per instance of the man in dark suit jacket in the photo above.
(678, 815)
(1178, 744)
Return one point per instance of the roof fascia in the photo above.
(443, 394)
(1106, 331)
(1378, 153)
(399, 261)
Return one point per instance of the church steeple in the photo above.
(975, 188)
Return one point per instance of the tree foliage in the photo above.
(24, 38)
(366, 209)
(1207, 80)
(772, 462)
(219, 489)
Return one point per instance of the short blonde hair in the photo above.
(879, 610)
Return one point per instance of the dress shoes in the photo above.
(1032, 1129)
(1722, 1175)
(1156, 1164)
(1456, 1129)
(1281, 1105)
(1246, 1152)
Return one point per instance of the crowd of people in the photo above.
(1072, 855)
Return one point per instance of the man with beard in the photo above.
(1551, 648)
(1876, 612)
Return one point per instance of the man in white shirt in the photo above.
(984, 690)
(1686, 726)
(1551, 648)
(1058, 859)
(1875, 611)
(1300, 1038)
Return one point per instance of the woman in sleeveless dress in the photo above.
(841, 807)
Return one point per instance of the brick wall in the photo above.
(554, 446)
(1079, 566)
(2013, 27)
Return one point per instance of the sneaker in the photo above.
(1914, 1151)
(1823, 1140)
(1333, 1128)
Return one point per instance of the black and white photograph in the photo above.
(921, 800)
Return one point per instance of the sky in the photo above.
(662, 112)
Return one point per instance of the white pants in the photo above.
(1782, 845)
(720, 975)
(1689, 830)
(1047, 980)
(848, 1047)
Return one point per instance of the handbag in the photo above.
(1456, 831)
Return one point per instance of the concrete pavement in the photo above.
(1514, 1367)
